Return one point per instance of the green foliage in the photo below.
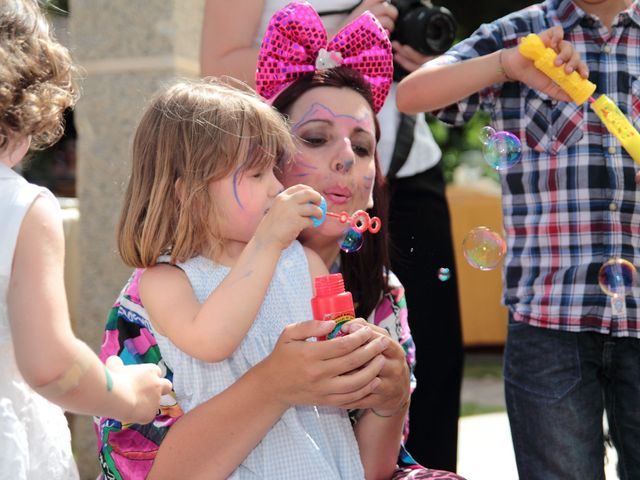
(457, 142)
(469, 408)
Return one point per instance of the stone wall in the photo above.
(128, 50)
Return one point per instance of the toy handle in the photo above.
(578, 88)
(618, 125)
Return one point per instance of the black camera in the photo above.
(427, 28)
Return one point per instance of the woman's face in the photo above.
(335, 134)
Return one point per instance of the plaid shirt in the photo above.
(571, 203)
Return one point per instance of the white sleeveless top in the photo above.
(425, 152)
(35, 442)
(307, 442)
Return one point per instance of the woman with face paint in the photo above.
(333, 121)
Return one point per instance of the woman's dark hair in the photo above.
(364, 272)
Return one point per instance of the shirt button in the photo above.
(606, 49)
(611, 150)
(613, 207)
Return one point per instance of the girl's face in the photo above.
(242, 199)
(335, 134)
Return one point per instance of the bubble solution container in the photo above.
(332, 303)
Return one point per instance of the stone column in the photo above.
(128, 50)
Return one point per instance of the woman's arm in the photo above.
(227, 44)
(212, 440)
(380, 426)
(50, 358)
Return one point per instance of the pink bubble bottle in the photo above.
(332, 302)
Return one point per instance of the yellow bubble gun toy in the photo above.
(580, 90)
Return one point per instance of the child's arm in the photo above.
(50, 358)
(213, 330)
(438, 85)
(212, 439)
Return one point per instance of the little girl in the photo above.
(207, 218)
(41, 360)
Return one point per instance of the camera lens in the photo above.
(439, 32)
(427, 28)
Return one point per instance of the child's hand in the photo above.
(289, 214)
(145, 384)
(517, 67)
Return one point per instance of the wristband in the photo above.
(393, 414)
(109, 379)
(501, 69)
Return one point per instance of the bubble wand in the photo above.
(360, 221)
(580, 90)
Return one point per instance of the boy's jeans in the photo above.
(556, 386)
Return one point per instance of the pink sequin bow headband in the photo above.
(295, 44)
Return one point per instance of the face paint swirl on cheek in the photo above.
(236, 175)
(367, 183)
(300, 168)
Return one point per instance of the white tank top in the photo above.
(35, 442)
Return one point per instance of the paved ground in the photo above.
(484, 445)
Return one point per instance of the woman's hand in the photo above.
(394, 388)
(339, 372)
(383, 10)
(408, 57)
(518, 67)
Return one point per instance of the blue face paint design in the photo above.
(313, 110)
(306, 165)
(235, 187)
(347, 165)
(368, 182)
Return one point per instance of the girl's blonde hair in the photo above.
(36, 76)
(191, 134)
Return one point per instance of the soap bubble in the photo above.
(617, 276)
(485, 134)
(351, 241)
(502, 150)
(483, 248)
(444, 274)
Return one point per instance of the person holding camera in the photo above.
(410, 158)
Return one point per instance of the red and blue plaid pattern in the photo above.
(571, 203)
